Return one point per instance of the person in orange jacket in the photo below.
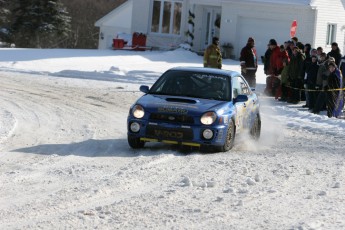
(213, 55)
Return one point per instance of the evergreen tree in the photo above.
(40, 23)
(4, 20)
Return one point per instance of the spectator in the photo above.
(342, 66)
(276, 66)
(291, 45)
(285, 95)
(335, 97)
(309, 52)
(295, 78)
(310, 81)
(321, 81)
(287, 46)
(212, 55)
(319, 51)
(335, 53)
(249, 63)
(266, 60)
(277, 56)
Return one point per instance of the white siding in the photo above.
(330, 12)
(272, 22)
(141, 16)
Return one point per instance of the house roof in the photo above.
(113, 13)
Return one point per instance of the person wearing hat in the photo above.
(276, 66)
(335, 53)
(213, 55)
(276, 58)
(310, 81)
(249, 62)
(335, 97)
(308, 52)
(296, 75)
(321, 82)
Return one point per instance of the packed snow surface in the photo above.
(65, 162)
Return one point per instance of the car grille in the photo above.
(172, 118)
(169, 133)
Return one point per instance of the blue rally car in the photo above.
(195, 106)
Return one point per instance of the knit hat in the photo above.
(272, 42)
(250, 39)
(332, 64)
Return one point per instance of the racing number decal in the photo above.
(240, 116)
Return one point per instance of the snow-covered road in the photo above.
(65, 164)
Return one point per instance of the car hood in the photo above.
(181, 105)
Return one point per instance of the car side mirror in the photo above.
(241, 98)
(144, 88)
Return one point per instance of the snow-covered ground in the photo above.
(65, 162)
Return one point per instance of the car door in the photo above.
(240, 107)
(249, 105)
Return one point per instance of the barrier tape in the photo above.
(316, 90)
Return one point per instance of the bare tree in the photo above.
(84, 14)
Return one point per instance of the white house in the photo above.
(168, 23)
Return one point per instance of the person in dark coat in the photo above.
(335, 96)
(342, 67)
(310, 81)
(321, 82)
(295, 75)
(335, 53)
(266, 60)
(249, 62)
(309, 52)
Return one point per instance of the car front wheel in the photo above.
(135, 142)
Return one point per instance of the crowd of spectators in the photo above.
(299, 72)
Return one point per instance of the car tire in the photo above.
(255, 131)
(230, 137)
(135, 142)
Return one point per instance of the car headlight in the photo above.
(208, 118)
(138, 111)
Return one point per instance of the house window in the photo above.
(331, 33)
(166, 17)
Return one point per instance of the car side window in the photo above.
(244, 86)
(236, 87)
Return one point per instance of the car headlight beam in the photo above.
(138, 111)
(208, 118)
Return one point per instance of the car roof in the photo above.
(229, 73)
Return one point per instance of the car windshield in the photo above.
(193, 84)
